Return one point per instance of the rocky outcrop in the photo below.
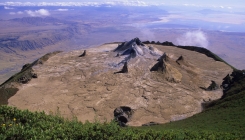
(166, 43)
(82, 55)
(124, 69)
(122, 115)
(213, 86)
(135, 48)
(161, 64)
(170, 73)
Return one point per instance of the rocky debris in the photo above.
(150, 124)
(124, 69)
(82, 55)
(122, 115)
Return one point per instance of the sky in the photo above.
(231, 3)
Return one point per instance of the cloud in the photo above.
(193, 38)
(62, 10)
(96, 4)
(14, 13)
(37, 13)
(19, 12)
(8, 8)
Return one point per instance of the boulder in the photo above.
(34, 75)
(82, 55)
(124, 69)
(122, 115)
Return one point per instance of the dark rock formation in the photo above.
(166, 43)
(34, 75)
(146, 42)
(153, 42)
(24, 79)
(82, 55)
(124, 69)
(181, 58)
(122, 115)
(160, 65)
(170, 73)
(25, 66)
(226, 82)
(150, 124)
(212, 86)
(128, 45)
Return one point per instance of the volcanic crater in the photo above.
(157, 83)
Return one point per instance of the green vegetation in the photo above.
(17, 124)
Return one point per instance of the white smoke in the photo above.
(193, 38)
(37, 13)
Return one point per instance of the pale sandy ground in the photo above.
(87, 88)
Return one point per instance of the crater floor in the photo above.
(86, 87)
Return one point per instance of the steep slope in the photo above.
(87, 87)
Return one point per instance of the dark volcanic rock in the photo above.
(122, 115)
(212, 86)
(166, 43)
(34, 75)
(82, 55)
(160, 65)
(127, 47)
(24, 79)
(124, 69)
(26, 66)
